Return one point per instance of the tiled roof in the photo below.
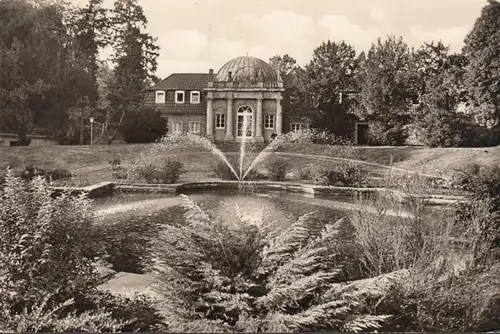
(183, 81)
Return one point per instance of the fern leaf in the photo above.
(365, 322)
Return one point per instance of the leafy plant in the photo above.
(117, 169)
(277, 169)
(59, 174)
(244, 276)
(48, 248)
(156, 169)
(342, 174)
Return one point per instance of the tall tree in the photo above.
(386, 78)
(440, 76)
(35, 64)
(387, 81)
(482, 49)
(285, 64)
(332, 69)
(135, 54)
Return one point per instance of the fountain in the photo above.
(193, 140)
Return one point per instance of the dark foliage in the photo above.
(145, 125)
(277, 169)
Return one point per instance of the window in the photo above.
(177, 127)
(160, 96)
(195, 97)
(269, 122)
(194, 127)
(299, 126)
(220, 121)
(179, 96)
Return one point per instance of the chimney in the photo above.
(229, 76)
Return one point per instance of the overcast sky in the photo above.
(197, 35)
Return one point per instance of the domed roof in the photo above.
(247, 68)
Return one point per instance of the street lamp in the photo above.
(91, 129)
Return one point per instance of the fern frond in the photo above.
(281, 248)
(282, 296)
(328, 316)
(376, 287)
(366, 322)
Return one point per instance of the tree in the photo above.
(386, 81)
(332, 69)
(91, 26)
(29, 53)
(285, 64)
(44, 72)
(482, 49)
(143, 126)
(135, 54)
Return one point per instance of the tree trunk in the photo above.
(110, 139)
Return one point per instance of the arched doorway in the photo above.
(244, 122)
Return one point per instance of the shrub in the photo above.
(342, 174)
(48, 247)
(382, 134)
(59, 174)
(245, 276)
(304, 173)
(156, 169)
(143, 126)
(223, 171)
(135, 314)
(277, 169)
(117, 171)
(441, 128)
(53, 235)
(30, 172)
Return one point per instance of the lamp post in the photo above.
(91, 130)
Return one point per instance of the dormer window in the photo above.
(179, 96)
(160, 96)
(195, 97)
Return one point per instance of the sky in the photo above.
(197, 35)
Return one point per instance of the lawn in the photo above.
(91, 162)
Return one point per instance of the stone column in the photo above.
(229, 121)
(279, 116)
(258, 122)
(210, 119)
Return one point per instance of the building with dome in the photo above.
(245, 99)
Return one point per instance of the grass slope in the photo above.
(91, 159)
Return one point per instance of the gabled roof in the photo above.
(183, 81)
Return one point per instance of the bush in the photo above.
(382, 134)
(249, 277)
(445, 284)
(59, 174)
(30, 172)
(350, 174)
(117, 171)
(277, 169)
(143, 126)
(135, 314)
(48, 247)
(223, 171)
(304, 173)
(440, 128)
(156, 169)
